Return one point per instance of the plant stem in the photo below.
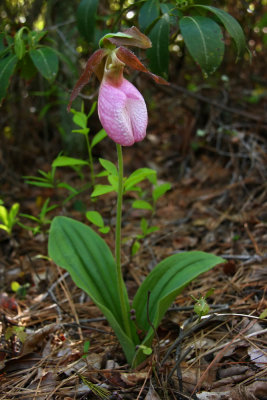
(124, 308)
(91, 165)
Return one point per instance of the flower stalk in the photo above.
(124, 308)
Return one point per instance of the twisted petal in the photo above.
(122, 112)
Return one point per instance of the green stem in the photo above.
(124, 307)
(91, 165)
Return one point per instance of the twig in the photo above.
(245, 257)
(183, 335)
(67, 294)
(220, 355)
(142, 388)
(252, 239)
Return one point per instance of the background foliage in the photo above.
(37, 98)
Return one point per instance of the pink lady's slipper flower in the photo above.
(121, 107)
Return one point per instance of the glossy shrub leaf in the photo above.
(2, 43)
(173, 12)
(148, 13)
(164, 283)
(27, 69)
(86, 16)
(232, 27)
(46, 62)
(7, 67)
(64, 161)
(19, 45)
(204, 39)
(85, 255)
(158, 55)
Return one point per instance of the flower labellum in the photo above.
(121, 107)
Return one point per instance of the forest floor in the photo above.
(217, 204)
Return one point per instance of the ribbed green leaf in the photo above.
(164, 283)
(85, 255)
(231, 25)
(7, 66)
(158, 55)
(86, 15)
(204, 40)
(46, 61)
(148, 13)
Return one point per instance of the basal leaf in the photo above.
(7, 67)
(79, 250)
(204, 40)
(86, 16)
(46, 62)
(158, 55)
(231, 25)
(148, 13)
(164, 283)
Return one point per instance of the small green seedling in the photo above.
(20, 290)
(158, 191)
(96, 218)
(81, 119)
(201, 307)
(145, 349)
(41, 220)
(146, 230)
(16, 331)
(86, 347)
(8, 218)
(263, 314)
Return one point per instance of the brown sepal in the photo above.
(91, 66)
(130, 59)
(138, 39)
